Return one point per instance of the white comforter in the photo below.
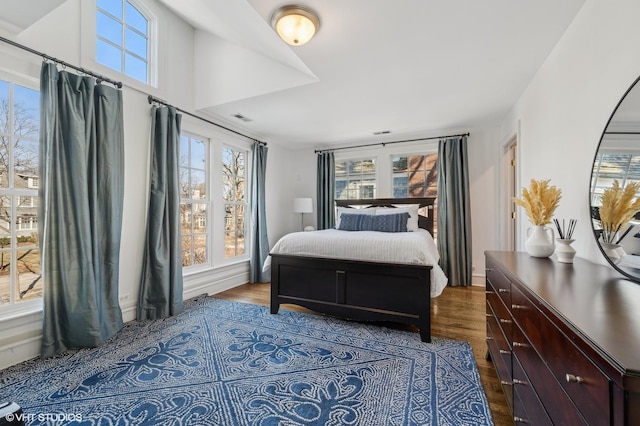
(399, 247)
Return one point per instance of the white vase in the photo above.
(564, 251)
(611, 250)
(539, 241)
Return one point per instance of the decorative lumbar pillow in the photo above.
(355, 222)
(391, 222)
(412, 209)
(381, 223)
(349, 210)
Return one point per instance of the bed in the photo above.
(353, 287)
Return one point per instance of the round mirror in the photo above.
(614, 181)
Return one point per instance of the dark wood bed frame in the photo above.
(358, 290)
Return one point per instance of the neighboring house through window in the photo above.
(123, 38)
(355, 179)
(20, 273)
(415, 176)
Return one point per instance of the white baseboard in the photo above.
(25, 343)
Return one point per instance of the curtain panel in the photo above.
(326, 190)
(161, 282)
(454, 211)
(260, 243)
(80, 210)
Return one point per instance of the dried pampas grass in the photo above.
(618, 208)
(539, 201)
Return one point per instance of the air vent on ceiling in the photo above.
(242, 117)
(382, 132)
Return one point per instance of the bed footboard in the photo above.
(366, 291)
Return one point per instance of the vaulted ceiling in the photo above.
(406, 66)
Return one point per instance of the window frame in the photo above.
(393, 174)
(374, 158)
(208, 201)
(11, 309)
(245, 204)
(156, 38)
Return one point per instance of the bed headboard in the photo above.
(427, 204)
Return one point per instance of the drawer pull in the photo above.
(503, 290)
(488, 269)
(505, 321)
(520, 382)
(488, 315)
(503, 352)
(489, 338)
(574, 379)
(518, 307)
(520, 345)
(490, 292)
(506, 383)
(517, 419)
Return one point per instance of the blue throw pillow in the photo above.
(390, 222)
(355, 222)
(367, 222)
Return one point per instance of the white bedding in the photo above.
(399, 247)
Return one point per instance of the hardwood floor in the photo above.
(458, 313)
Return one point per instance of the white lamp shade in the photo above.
(302, 205)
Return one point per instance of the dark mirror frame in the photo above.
(630, 272)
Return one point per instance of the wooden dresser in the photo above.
(565, 340)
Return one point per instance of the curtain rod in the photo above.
(153, 99)
(317, 151)
(98, 77)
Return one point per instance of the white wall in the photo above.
(565, 109)
(20, 335)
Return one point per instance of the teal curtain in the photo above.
(326, 190)
(454, 211)
(260, 243)
(80, 211)
(161, 283)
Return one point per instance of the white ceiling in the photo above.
(408, 66)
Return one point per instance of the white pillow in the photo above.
(350, 210)
(412, 209)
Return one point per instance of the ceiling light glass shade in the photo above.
(296, 25)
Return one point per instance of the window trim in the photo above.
(247, 205)
(208, 202)
(365, 156)
(156, 37)
(12, 310)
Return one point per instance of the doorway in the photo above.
(509, 191)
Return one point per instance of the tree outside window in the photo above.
(194, 199)
(20, 273)
(235, 203)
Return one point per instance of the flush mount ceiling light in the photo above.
(295, 24)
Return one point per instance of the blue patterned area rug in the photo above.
(228, 363)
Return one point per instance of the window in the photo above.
(194, 199)
(415, 176)
(235, 203)
(355, 179)
(613, 166)
(122, 38)
(20, 274)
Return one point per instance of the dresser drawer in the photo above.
(501, 361)
(527, 408)
(501, 285)
(576, 374)
(537, 376)
(501, 313)
(502, 348)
